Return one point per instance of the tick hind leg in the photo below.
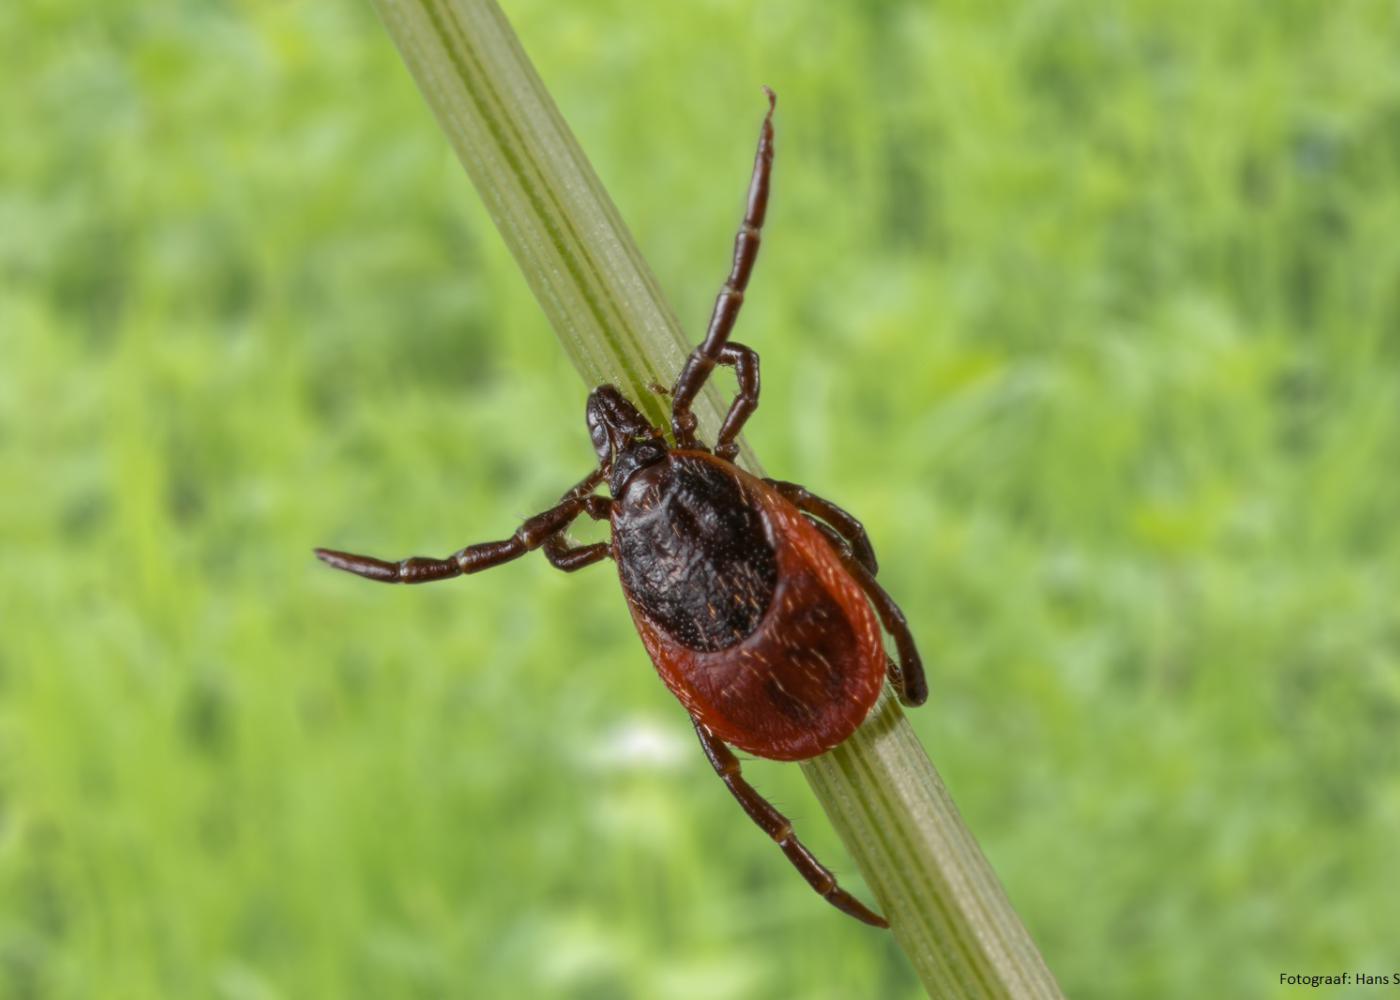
(544, 529)
(715, 349)
(907, 675)
(776, 825)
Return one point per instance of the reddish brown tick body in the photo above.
(756, 599)
(790, 658)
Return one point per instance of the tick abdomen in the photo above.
(796, 658)
(694, 551)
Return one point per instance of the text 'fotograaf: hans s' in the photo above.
(1339, 979)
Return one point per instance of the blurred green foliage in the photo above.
(1091, 313)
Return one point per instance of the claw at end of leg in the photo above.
(372, 569)
(849, 905)
(915, 689)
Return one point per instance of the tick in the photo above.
(755, 598)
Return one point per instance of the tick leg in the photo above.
(907, 676)
(559, 552)
(845, 523)
(710, 352)
(474, 558)
(584, 486)
(744, 361)
(776, 825)
(562, 555)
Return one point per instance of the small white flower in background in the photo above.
(640, 744)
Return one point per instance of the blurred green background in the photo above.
(1091, 313)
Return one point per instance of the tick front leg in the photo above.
(744, 361)
(776, 825)
(710, 351)
(559, 552)
(562, 555)
(474, 558)
(846, 525)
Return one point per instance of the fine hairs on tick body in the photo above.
(755, 598)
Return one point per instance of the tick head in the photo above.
(614, 423)
(622, 437)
